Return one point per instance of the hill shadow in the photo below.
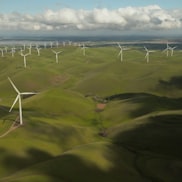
(123, 157)
(15, 162)
(159, 134)
(70, 167)
(147, 103)
(174, 82)
(4, 111)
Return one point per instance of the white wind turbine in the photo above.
(38, 50)
(45, 45)
(56, 53)
(121, 51)
(64, 43)
(167, 49)
(2, 52)
(147, 53)
(83, 48)
(172, 50)
(6, 49)
(19, 98)
(70, 43)
(51, 44)
(13, 52)
(24, 59)
(57, 44)
(30, 49)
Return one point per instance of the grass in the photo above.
(65, 138)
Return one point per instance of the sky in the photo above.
(96, 17)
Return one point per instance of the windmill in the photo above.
(19, 99)
(57, 44)
(51, 44)
(167, 49)
(172, 50)
(56, 53)
(83, 48)
(45, 45)
(24, 59)
(2, 52)
(12, 51)
(30, 49)
(122, 48)
(38, 50)
(64, 43)
(147, 54)
(6, 49)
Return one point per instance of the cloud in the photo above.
(123, 19)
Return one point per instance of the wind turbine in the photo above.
(172, 50)
(56, 53)
(13, 51)
(70, 43)
(19, 98)
(167, 49)
(121, 51)
(38, 50)
(24, 46)
(147, 54)
(64, 43)
(6, 49)
(24, 59)
(51, 44)
(30, 49)
(83, 48)
(45, 45)
(2, 52)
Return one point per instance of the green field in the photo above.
(66, 137)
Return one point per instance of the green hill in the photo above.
(134, 137)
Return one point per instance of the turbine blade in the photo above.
(145, 48)
(28, 93)
(14, 86)
(16, 99)
(119, 46)
(119, 53)
(146, 55)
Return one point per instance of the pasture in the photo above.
(135, 137)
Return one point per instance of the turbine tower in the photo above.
(2, 52)
(172, 50)
(24, 59)
(56, 53)
(147, 54)
(167, 49)
(83, 48)
(30, 49)
(38, 50)
(45, 45)
(51, 44)
(19, 99)
(121, 51)
(12, 51)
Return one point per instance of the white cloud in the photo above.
(129, 19)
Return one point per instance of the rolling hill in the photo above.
(135, 137)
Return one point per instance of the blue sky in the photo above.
(35, 6)
(90, 17)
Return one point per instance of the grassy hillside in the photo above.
(135, 137)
